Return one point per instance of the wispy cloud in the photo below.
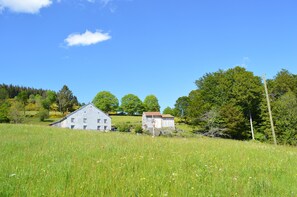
(24, 6)
(105, 2)
(245, 62)
(87, 38)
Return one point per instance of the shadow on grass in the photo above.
(48, 120)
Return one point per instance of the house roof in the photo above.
(167, 116)
(75, 112)
(152, 113)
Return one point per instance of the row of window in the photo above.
(85, 120)
(85, 127)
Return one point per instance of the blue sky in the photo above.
(142, 47)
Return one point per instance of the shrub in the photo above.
(138, 129)
(124, 127)
(43, 114)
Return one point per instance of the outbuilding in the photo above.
(157, 120)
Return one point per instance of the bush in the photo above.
(43, 114)
(124, 127)
(138, 129)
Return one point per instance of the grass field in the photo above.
(43, 161)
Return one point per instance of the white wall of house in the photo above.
(87, 117)
(168, 122)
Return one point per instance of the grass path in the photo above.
(39, 160)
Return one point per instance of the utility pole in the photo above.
(252, 128)
(153, 121)
(269, 110)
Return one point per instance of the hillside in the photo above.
(38, 160)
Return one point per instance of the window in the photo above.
(105, 120)
(85, 120)
(85, 126)
(72, 119)
(98, 127)
(105, 128)
(98, 120)
(72, 127)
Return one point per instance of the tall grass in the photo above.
(38, 160)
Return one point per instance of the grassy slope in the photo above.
(38, 160)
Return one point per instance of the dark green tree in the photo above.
(131, 104)
(4, 109)
(284, 82)
(106, 101)
(66, 100)
(285, 117)
(151, 103)
(3, 94)
(236, 88)
(181, 106)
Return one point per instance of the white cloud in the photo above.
(87, 38)
(24, 6)
(105, 2)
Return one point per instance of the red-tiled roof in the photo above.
(167, 116)
(152, 113)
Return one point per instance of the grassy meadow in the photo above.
(44, 161)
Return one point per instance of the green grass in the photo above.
(44, 161)
(116, 120)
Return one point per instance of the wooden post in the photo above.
(269, 110)
(153, 121)
(252, 128)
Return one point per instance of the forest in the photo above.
(226, 103)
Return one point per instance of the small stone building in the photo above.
(88, 117)
(150, 119)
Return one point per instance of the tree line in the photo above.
(16, 100)
(229, 103)
(130, 103)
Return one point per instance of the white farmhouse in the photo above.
(87, 117)
(150, 119)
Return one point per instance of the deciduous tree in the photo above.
(106, 101)
(131, 104)
(151, 103)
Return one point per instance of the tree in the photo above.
(50, 98)
(4, 109)
(236, 88)
(3, 94)
(151, 103)
(285, 116)
(43, 114)
(131, 104)
(22, 97)
(4, 105)
(181, 106)
(106, 101)
(168, 110)
(14, 113)
(284, 82)
(65, 99)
